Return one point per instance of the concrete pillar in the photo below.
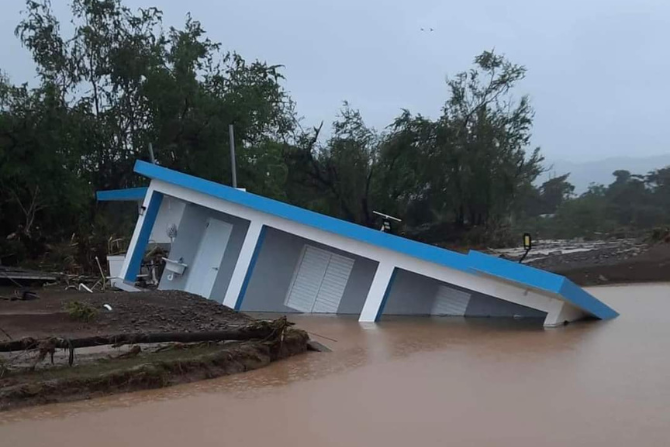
(378, 293)
(560, 312)
(244, 268)
(138, 243)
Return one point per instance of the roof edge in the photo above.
(585, 301)
(122, 195)
(303, 216)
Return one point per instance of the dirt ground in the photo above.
(611, 265)
(152, 311)
(100, 370)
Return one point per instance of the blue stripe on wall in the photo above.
(380, 311)
(150, 215)
(250, 270)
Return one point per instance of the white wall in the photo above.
(185, 246)
(274, 270)
(387, 258)
(414, 294)
(410, 294)
(170, 213)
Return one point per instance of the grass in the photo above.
(104, 366)
(80, 311)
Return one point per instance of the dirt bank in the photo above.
(153, 311)
(145, 371)
(652, 265)
(100, 370)
(589, 263)
(611, 265)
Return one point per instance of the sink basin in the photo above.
(175, 266)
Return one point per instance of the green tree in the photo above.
(343, 168)
(40, 188)
(487, 133)
(115, 82)
(554, 192)
(659, 183)
(131, 84)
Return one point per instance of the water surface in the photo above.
(409, 381)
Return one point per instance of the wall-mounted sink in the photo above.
(177, 267)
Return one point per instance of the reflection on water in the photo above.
(409, 381)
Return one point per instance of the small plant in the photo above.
(80, 311)
(659, 234)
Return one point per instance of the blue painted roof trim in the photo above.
(294, 213)
(513, 271)
(540, 279)
(473, 262)
(575, 294)
(123, 195)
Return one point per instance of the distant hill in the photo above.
(582, 174)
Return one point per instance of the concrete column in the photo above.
(560, 312)
(379, 290)
(244, 268)
(138, 243)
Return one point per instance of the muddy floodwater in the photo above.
(409, 382)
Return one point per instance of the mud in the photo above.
(602, 267)
(152, 311)
(601, 262)
(147, 371)
(102, 370)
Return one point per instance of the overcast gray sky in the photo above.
(598, 70)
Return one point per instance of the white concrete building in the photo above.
(256, 254)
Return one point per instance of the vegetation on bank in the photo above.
(119, 80)
(632, 205)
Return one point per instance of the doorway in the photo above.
(207, 261)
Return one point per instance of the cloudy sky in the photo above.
(598, 70)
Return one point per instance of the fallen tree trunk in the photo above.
(261, 330)
(155, 370)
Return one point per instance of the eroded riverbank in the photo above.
(66, 346)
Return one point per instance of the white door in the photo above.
(319, 281)
(208, 258)
(450, 301)
(333, 284)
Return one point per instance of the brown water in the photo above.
(409, 382)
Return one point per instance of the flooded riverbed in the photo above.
(409, 382)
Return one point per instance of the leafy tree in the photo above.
(466, 168)
(131, 83)
(658, 182)
(630, 204)
(554, 192)
(486, 162)
(38, 166)
(343, 167)
(117, 80)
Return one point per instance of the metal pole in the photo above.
(151, 153)
(231, 133)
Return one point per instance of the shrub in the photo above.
(80, 311)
